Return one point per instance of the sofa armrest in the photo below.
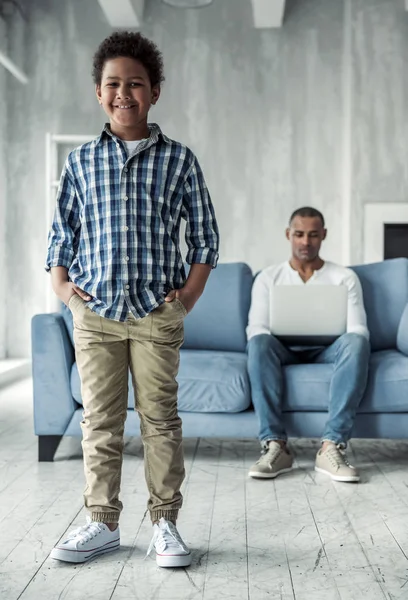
(52, 359)
(402, 335)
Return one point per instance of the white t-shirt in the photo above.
(132, 146)
(284, 274)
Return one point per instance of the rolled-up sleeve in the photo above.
(66, 223)
(202, 236)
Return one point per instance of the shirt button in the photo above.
(126, 228)
(117, 145)
(127, 258)
(126, 169)
(125, 198)
(127, 287)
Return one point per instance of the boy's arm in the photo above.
(202, 237)
(193, 288)
(64, 230)
(63, 288)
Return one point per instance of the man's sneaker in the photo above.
(93, 539)
(274, 461)
(171, 551)
(333, 462)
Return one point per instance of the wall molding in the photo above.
(376, 215)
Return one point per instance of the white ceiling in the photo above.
(268, 13)
(123, 14)
(129, 13)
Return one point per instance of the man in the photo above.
(266, 354)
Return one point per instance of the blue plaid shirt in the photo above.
(116, 225)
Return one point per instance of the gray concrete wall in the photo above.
(3, 195)
(309, 114)
(58, 47)
(262, 109)
(380, 108)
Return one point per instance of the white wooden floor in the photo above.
(301, 537)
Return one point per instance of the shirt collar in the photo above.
(155, 133)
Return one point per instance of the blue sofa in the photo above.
(214, 392)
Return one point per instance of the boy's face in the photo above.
(126, 95)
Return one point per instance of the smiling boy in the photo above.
(115, 260)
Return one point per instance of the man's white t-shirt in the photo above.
(284, 274)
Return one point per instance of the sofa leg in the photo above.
(47, 447)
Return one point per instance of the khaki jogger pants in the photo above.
(105, 349)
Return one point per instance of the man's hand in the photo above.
(187, 298)
(67, 289)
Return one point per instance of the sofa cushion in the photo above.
(208, 382)
(213, 381)
(387, 388)
(220, 317)
(385, 290)
(402, 336)
(307, 386)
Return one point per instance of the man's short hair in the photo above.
(307, 211)
(131, 45)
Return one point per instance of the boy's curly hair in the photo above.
(132, 45)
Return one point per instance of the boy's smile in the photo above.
(126, 95)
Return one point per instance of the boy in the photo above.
(115, 261)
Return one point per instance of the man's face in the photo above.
(306, 235)
(126, 94)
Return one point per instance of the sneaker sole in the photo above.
(80, 556)
(178, 560)
(256, 475)
(346, 479)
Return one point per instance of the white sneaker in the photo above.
(86, 542)
(171, 551)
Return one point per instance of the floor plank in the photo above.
(143, 579)
(300, 537)
(227, 564)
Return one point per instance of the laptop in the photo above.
(308, 315)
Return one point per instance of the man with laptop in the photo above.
(307, 310)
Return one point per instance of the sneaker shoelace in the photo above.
(86, 532)
(344, 455)
(337, 457)
(166, 536)
(269, 454)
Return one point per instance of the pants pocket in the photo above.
(181, 305)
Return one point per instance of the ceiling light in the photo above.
(188, 3)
